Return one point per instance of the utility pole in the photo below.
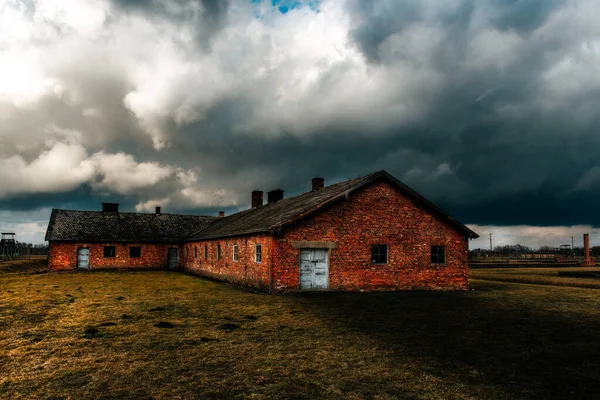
(491, 248)
(571, 244)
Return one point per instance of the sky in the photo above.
(488, 108)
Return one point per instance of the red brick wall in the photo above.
(378, 214)
(245, 271)
(63, 255)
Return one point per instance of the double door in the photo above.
(314, 269)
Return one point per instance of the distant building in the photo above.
(364, 234)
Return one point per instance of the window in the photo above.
(135, 252)
(110, 251)
(195, 252)
(187, 251)
(379, 254)
(258, 253)
(235, 252)
(218, 252)
(438, 254)
(205, 252)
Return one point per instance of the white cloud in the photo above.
(120, 172)
(61, 168)
(66, 166)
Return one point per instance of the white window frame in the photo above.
(235, 253)
(257, 246)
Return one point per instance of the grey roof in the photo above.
(270, 217)
(98, 226)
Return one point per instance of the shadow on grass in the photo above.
(496, 336)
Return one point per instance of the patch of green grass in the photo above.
(498, 341)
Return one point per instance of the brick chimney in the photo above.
(157, 210)
(587, 261)
(257, 198)
(110, 207)
(274, 196)
(318, 183)
(221, 213)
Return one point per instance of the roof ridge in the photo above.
(132, 213)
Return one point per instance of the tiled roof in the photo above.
(98, 226)
(135, 227)
(270, 217)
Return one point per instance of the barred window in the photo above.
(379, 254)
(438, 254)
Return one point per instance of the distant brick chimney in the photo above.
(318, 183)
(274, 196)
(110, 207)
(221, 213)
(158, 210)
(257, 198)
(587, 261)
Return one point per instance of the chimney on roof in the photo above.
(274, 196)
(318, 183)
(157, 210)
(110, 207)
(221, 213)
(257, 198)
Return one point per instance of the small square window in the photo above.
(135, 252)
(195, 252)
(258, 253)
(235, 252)
(218, 252)
(379, 254)
(438, 254)
(110, 251)
(205, 252)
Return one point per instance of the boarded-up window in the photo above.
(235, 252)
(205, 252)
(379, 254)
(438, 254)
(110, 251)
(258, 253)
(218, 252)
(135, 252)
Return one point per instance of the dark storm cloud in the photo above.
(489, 108)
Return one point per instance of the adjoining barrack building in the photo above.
(364, 234)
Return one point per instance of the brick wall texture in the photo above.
(63, 256)
(377, 214)
(245, 271)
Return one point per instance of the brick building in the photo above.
(368, 233)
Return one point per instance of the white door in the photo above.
(83, 258)
(314, 271)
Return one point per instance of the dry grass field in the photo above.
(165, 335)
(539, 276)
